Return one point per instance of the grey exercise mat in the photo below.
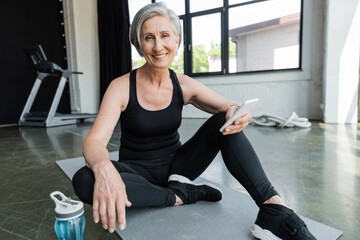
(229, 219)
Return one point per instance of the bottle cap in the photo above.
(66, 208)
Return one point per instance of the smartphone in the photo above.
(241, 111)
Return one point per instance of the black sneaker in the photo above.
(190, 192)
(276, 222)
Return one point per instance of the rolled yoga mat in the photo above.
(229, 219)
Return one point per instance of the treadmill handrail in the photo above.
(47, 66)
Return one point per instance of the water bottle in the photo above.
(70, 219)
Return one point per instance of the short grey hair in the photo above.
(149, 11)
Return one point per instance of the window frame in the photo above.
(224, 16)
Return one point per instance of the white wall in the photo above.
(80, 17)
(281, 40)
(281, 93)
(341, 61)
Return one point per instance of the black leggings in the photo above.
(146, 180)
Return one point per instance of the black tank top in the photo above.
(149, 134)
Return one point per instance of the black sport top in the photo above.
(149, 134)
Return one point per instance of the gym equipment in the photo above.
(272, 121)
(44, 68)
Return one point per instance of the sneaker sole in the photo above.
(263, 234)
(182, 179)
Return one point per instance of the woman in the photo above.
(154, 168)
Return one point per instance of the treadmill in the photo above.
(44, 69)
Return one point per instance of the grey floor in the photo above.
(317, 171)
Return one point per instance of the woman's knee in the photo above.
(83, 183)
(218, 119)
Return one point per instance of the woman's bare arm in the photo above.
(209, 101)
(109, 190)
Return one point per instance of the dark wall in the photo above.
(26, 23)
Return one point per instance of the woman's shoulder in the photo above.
(189, 86)
(122, 81)
(187, 82)
(119, 85)
(184, 79)
(118, 90)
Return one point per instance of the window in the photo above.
(234, 36)
(265, 40)
(206, 42)
(198, 5)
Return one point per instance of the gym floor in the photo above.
(317, 171)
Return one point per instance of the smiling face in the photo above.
(158, 41)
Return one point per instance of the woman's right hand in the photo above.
(110, 197)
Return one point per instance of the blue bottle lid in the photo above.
(66, 208)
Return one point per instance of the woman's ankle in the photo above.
(276, 200)
(178, 201)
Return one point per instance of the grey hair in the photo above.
(149, 11)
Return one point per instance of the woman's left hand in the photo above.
(238, 125)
